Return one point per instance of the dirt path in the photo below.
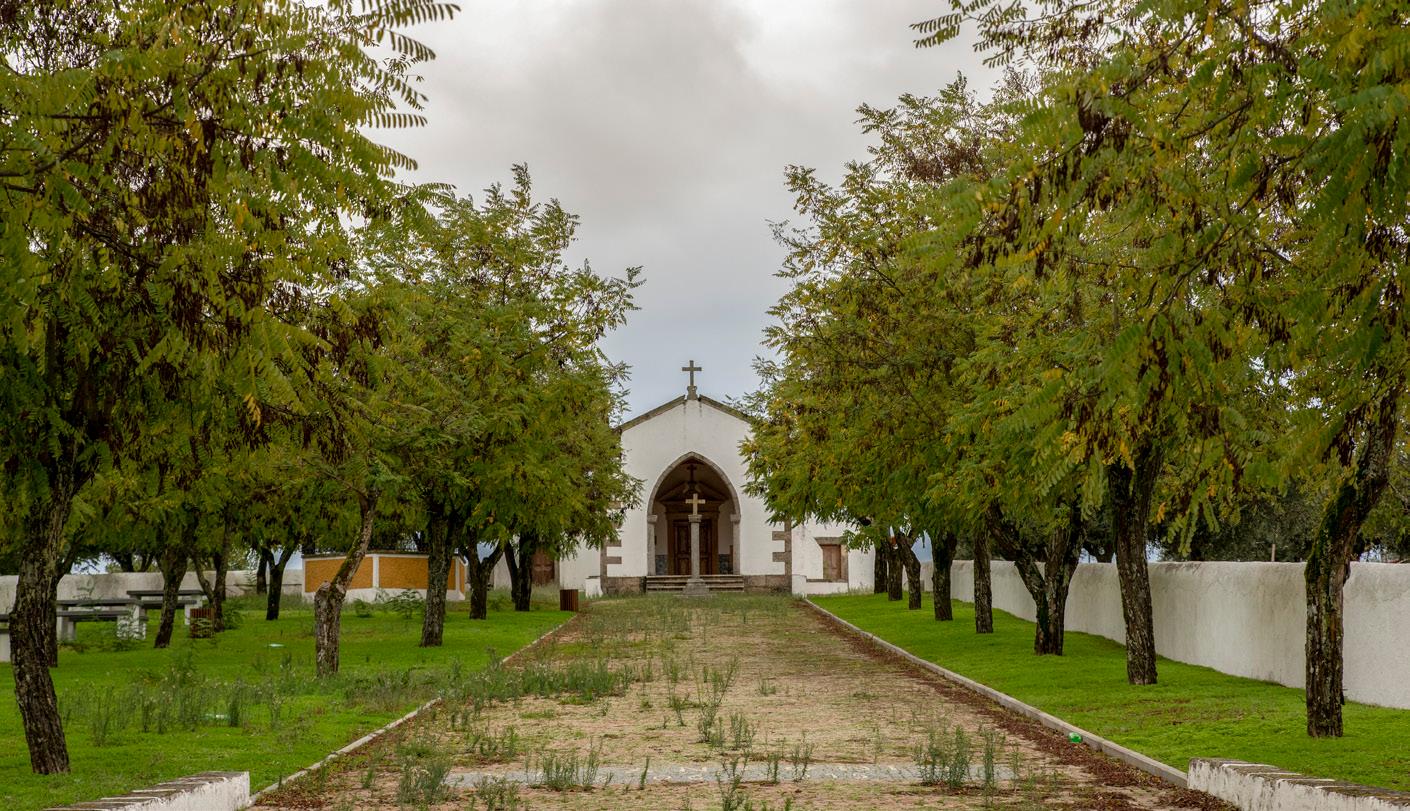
(731, 703)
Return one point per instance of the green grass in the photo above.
(1192, 712)
(383, 675)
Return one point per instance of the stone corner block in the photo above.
(207, 791)
(1261, 787)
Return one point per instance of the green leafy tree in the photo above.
(515, 401)
(168, 170)
(1264, 138)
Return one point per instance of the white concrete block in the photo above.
(207, 791)
(1260, 787)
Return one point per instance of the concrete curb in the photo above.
(1258, 787)
(377, 733)
(1131, 758)
(207, 791)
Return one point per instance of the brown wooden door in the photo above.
(832, 561)
(542, 569)
(680, 547)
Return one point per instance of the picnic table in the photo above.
(186, 598)
(127, 612)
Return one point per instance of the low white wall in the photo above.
(116, 584)
(1246, 619)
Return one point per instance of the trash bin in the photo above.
(567, 599)
(200, 623)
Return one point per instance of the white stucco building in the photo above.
(690, 446)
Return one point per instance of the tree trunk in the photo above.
(881, 572)
(173, 565)
(906, 552)
(328, 600)
(1130, 494)
(895, 571)
(942, 556)
(1048, 587)
(478, 573)
(437, 573)
(35, 611)
(521, 570)
(276, 582)
(983, 585)
(214, 589)
(1328, 566)
(266, 560)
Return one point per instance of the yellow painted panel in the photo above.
(402, 573)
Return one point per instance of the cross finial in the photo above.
(692, 369)
(695, 501)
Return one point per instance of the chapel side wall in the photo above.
(574, 570)
(808, 561)
(653, 446)
(1242, 618)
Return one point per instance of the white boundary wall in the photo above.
(1246, 619)
(116, 584)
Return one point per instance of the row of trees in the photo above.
(1151, 286)
(227, 326)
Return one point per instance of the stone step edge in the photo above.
(1128, 756)
(377, 733)
(207, 791)
(1258, 786)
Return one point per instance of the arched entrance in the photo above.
(669, 519)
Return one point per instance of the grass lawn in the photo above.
(261, 673)
(1193, 712)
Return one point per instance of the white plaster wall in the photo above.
(116, 584)
(1246, 619)
(653, 447)
(861, 569)
(574, 571)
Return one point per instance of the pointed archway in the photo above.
(668, 519)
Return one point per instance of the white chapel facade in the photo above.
(686, 454)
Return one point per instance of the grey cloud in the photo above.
(667, 126)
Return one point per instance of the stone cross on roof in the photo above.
(690, 389)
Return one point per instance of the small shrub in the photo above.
(800, 759)
(562, 771)
(406, 604)
(422, 780)
(496, 794)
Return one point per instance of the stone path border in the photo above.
(377, 733)
(1258, 786)
(1146, 764)
(207, 791)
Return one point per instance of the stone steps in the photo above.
(716, 582)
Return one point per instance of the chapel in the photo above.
(686, 454)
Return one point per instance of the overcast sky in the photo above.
(667, 125)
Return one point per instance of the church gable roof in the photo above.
(670, 404)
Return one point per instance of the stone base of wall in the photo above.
(618, 586)
(759, 583)
(1256, 787)
(207, 791)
